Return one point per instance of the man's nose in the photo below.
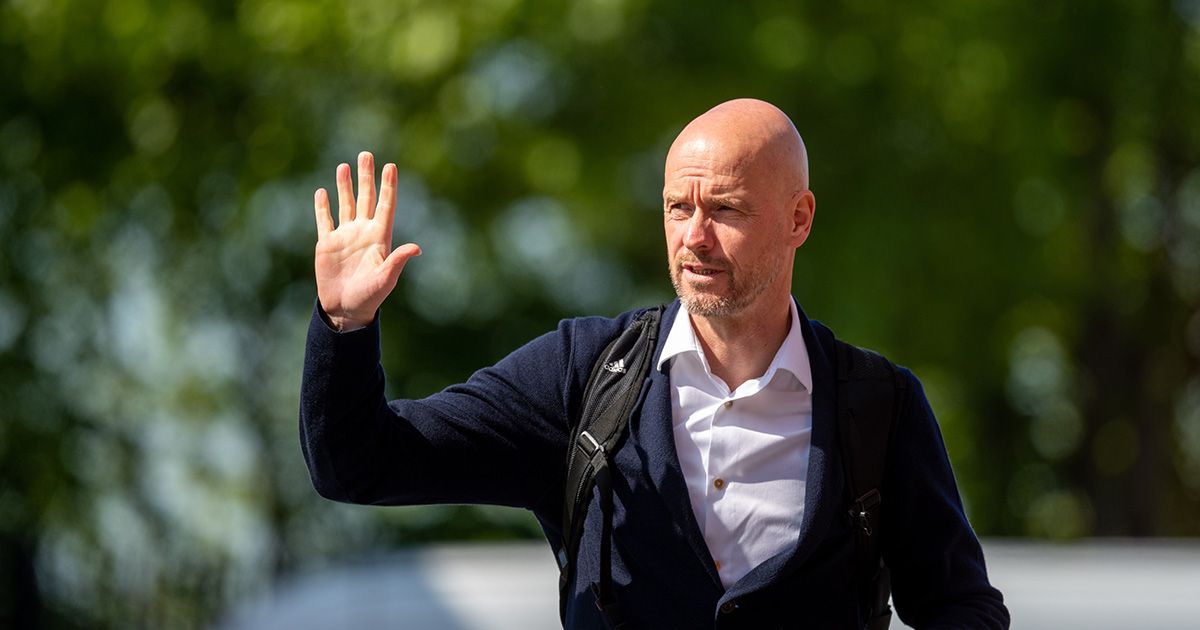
(699, 232)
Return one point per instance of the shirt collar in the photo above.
(792, 355)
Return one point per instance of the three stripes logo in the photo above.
(616, 367)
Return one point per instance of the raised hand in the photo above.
(355, 264)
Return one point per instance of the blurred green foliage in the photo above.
(1008, 202)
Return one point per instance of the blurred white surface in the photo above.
(1098, 584)
(1093, 584)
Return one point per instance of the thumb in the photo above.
(396, 260)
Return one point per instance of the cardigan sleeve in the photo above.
(499, 438)
(939, 579)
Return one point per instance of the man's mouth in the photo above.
(700, 270)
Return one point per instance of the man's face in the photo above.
(728, 227)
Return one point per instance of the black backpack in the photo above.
(869, 392)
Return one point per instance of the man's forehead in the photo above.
(717, 169)
(723, 170)
(722, 174)
(684, 187)
(717, 151)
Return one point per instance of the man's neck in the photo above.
(741, 347)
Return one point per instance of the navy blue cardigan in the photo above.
(500, 438)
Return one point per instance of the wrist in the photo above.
(342, 323)
(349, 325)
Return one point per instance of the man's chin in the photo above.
(707, 304)
(701, 301)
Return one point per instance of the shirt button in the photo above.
(728, 404)
(718, 563)
(718, 483)
(728, 607)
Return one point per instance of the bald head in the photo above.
(736, 205)
(748, 135)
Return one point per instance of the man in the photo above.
(728, 506)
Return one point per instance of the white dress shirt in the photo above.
(744, 454)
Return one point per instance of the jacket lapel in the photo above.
(656, 440)
(823, 495)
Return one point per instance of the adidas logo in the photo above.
(616, 367)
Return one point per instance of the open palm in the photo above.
(355, 264)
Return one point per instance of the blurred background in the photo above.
(1008, 203)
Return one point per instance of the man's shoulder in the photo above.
(598, 323)
(585, 337)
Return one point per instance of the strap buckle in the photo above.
(861, 511)
(590, 446)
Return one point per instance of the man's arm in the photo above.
(498, 438)
(938, 575)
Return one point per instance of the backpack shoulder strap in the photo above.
(614, 386)
(869, 395)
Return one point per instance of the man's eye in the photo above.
(679, 210)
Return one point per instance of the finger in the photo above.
(345, 194)
(324, 220)
(386, 209)
(396, 260)
(366, 186)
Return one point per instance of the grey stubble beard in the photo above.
(719, 306)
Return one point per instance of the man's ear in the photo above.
(804, 208)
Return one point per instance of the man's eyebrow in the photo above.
(726, 200)
(716, 200)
